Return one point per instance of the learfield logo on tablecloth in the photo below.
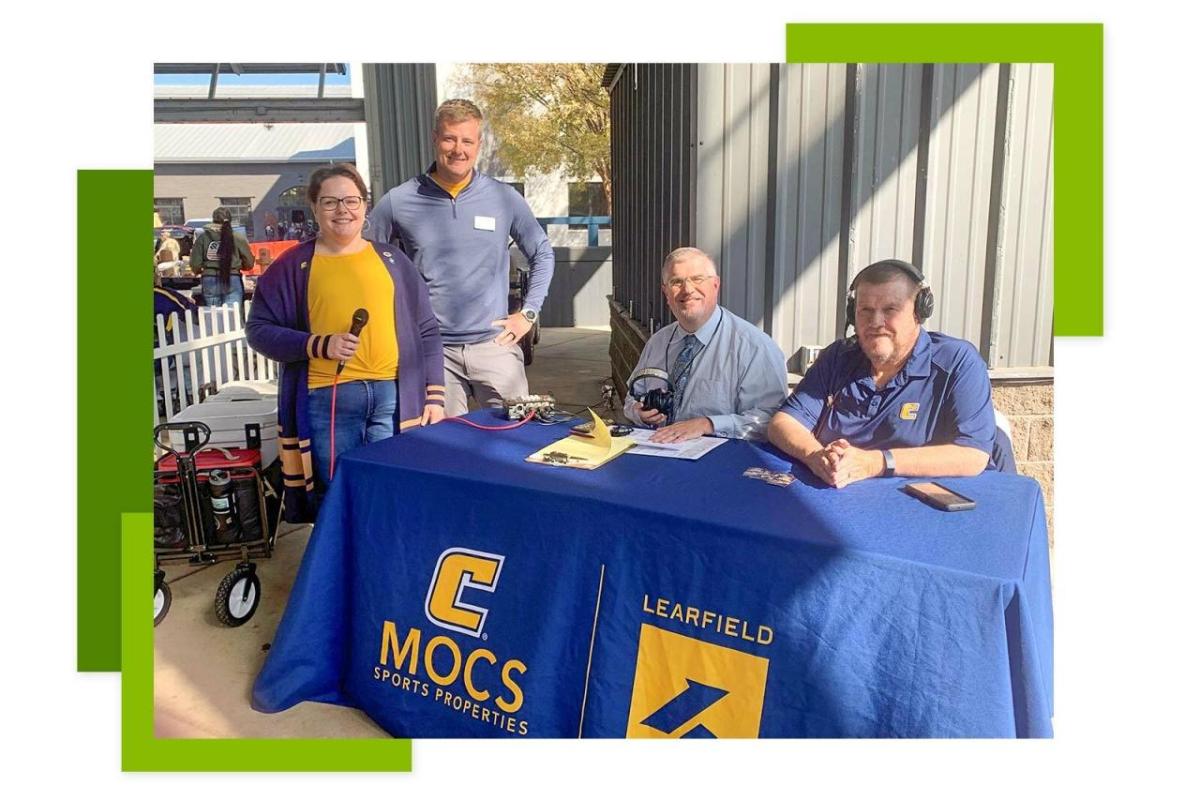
(684, 687)
(459, 569)
(470, 681)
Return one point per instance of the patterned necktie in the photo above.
(681, 370)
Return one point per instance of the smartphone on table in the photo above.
(939, 497)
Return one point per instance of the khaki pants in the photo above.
(485, 371)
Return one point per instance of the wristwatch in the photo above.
(530, 315)
(889, 464)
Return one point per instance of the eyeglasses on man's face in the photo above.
(351, 202)
(694, 280)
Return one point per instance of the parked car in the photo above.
(199, 222)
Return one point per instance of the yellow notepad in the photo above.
(586, 453)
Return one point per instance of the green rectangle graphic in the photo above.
(115, 275)
(142, 751)
(1076, 51)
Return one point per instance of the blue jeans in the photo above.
(210, 287)
(365, 413)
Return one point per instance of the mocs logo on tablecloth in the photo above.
(684, 687)
(474, 682)
(459, 569)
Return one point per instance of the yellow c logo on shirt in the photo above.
(458, 569)
(909, 411)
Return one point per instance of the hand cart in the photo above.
(212, 505)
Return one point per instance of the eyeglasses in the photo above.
(351, 202)
(694, 280)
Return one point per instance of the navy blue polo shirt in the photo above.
(942, 396)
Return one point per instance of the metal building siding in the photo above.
(1026, 260)
(733, 217)
(626, 270)
(809, 176)
(710, 195)
(804, 174)
(222, 143)
(954, 246)
(619, 147)
(883, 179)
(653, 179)
(400, 101)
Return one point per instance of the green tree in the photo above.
(546, 116)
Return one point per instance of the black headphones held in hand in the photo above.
(656, 399)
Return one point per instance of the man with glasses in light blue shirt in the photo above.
(727, 376)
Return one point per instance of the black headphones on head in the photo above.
(922, 305)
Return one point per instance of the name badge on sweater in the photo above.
(485, 223)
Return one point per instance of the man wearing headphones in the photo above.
(725, 375)
(894, 400)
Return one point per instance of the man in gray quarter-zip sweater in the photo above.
(455, 224)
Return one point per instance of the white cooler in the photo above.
(245, 390)
(229, 422)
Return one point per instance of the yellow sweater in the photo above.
(337, 287)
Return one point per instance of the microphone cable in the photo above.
(357, 322)
(333, 423)
(508, 427)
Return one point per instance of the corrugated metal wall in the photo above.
(960, 149)
(400, 100)
(807, 206)
(653, 123)
(1024, 257)
(734, 117)
(804, 174)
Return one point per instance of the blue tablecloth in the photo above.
(451, 589)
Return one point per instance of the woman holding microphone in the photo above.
(338, 389)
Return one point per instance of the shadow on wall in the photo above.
(806, 173)
(578, 292)
(866, 168)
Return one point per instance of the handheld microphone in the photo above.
(357, 323)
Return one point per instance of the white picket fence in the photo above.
(208, 351)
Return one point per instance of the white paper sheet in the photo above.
(692, 450)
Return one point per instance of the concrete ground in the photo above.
(203, 671)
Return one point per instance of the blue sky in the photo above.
(291, 79)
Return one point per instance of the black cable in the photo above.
(554, 416)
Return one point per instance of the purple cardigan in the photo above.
(278, 328)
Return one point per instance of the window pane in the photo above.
(586, 199)
(296, 196)
(170, 210)
(239, 208)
